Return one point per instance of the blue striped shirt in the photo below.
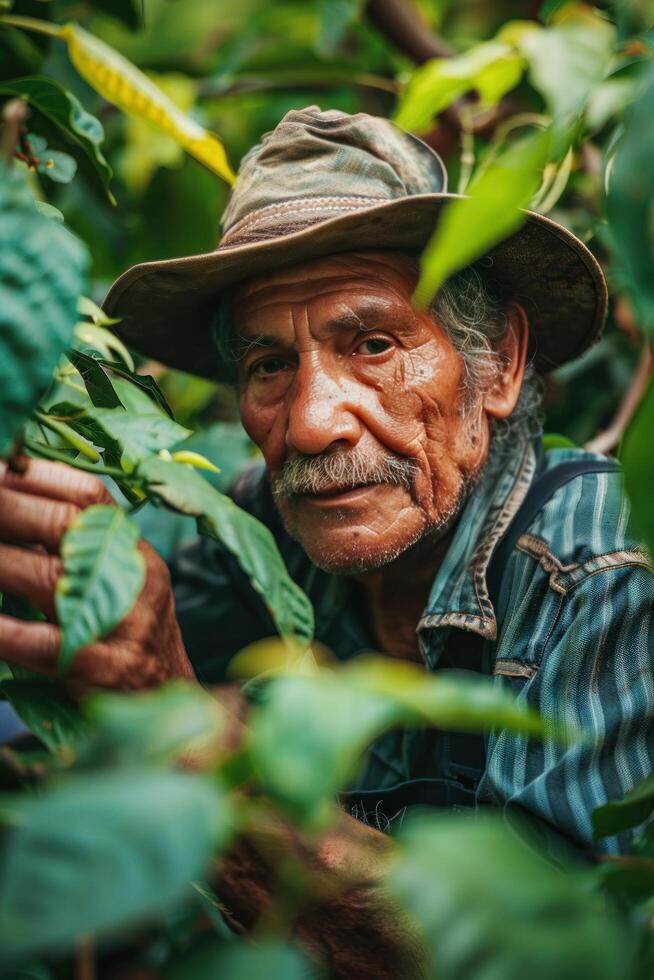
(571, 636)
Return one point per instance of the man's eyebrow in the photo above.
(361, 317)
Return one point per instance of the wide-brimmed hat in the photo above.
(328, 182)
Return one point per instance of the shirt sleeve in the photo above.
(596, 675)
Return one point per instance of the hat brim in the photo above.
(167, 308)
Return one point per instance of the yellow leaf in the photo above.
(123, 84)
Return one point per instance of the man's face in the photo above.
(356, 401)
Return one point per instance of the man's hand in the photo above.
(36, 508)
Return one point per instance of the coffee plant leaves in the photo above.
(155, 727)
(636, 807)
(98, 850)
(43, 269)
(638, 465)
(308, 738)
(568, 59)
(484, 901)
(47, 711)
(492, 69)
(103, 574)
(69, 119)
(99, 387)
(141, 427)
(145, 382)
(236, 959)
(469, 227)
(629, 204)
(120, 82)
(252, 544)
(454, 700)
(309, 732)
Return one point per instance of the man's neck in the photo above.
(396, 595)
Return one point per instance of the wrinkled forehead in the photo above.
(361, 276)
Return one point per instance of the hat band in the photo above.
(301, 212)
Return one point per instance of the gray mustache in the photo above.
(342, 471)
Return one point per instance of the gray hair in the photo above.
(475, 317)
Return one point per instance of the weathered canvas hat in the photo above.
(327, 182)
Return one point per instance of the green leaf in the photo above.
(625, 814)
(140, 427)
(42, 273)
(310, 732)
(48, 712)
(308, 738)
(67, 115)
(638, 465)
(98, 851)
(182, 488)
(156, 726)
(145, 382)
(630, 205)
(237, 960)
(492, 69)
(99, 387)
(469, 227)
(484, 901)
(104, 572)
(568, 59)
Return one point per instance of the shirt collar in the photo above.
(459, 594)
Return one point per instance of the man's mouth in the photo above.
(338, 494)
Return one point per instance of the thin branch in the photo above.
(611, 436)
(407, 29)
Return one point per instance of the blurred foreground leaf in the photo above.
(492, 69)
(637, 457)
(310, 732)
(490, 908)
(619, 815)
(471, 226)
(156, 726)
(630, 207)
(47, 711)
(103, 574)
(42, 268)
(240, 961)
(98, 851)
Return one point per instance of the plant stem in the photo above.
(73, 438)
(47, 452)
(30, 24)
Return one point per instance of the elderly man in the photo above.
(404, 482)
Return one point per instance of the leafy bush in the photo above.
(111, 827)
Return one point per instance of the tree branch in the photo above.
(611, 436)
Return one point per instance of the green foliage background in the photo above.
(549, 104)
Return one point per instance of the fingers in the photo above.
(38, 520)
(30, 575)
(58, 481)
(31, 645)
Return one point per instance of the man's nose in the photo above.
(321, 412)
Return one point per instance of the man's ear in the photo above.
(500, 398)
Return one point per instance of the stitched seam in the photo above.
(268, 209)
(606, 568)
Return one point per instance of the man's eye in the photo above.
(268, 366)
(374, 345)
